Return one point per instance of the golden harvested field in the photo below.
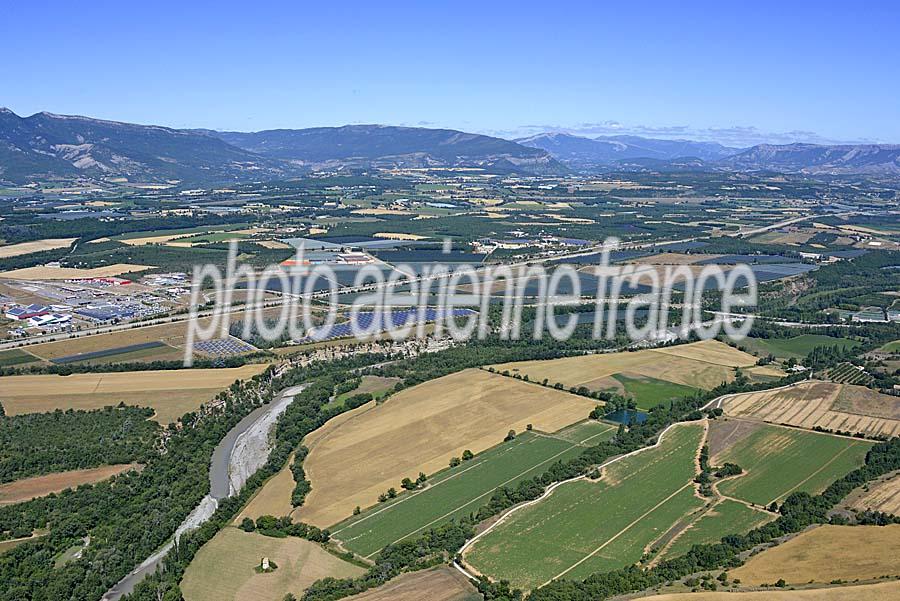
(838, 407)
(884, 496)
(274, 498)
(673, 259)
(25, 248)
(704, 364)
(436, 584)
(420, 429)
(223, 569)
(883, 591)
(382, 212)
(39, 486)
(272, 244)
(68, 273)
(170, 393)
(827, 553)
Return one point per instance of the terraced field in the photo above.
(585, 526)
(458, 491)
(778, 461)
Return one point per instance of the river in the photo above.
(238, 456)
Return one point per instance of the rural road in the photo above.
(238, 455)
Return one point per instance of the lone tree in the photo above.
(467, 455)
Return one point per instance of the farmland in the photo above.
(726, 517)
(698, 365)
(223, 569)
(15, 357)
(25, 248)
(456, 491)
(835, 407)
(881, 496)
(778, 461)
(372, 448)
(796, 347)
(586, 526)
(274, 498)
(883, 591)
(827, 553)
(649, 392)
(436, 584)
(39, 486)
(170, 393)
(66, 273)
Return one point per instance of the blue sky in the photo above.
(777, 71)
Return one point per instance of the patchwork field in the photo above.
(589, 526)
(837, 407)
(724, 518)
(460, 490)
(436, 584)
(778, 461)
(827, 553)
(372, 448)
(703, 364)
(223, 569)
(796, 347)
(67, 273)
(170, 393)
(39, 486)
(883, 591)
(26, 248)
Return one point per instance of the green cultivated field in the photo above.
(650, 392)
(585, 527)
(891, 347)
(588, 432)
(459, 491)
(728, 517)
(778, 461)
(796, 347)
(15, 357)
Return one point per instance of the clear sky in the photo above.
(766, 70)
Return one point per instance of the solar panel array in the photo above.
(223, 347)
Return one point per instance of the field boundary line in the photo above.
(808, 478)
(548, 492)
(618, 534)
(519, 475)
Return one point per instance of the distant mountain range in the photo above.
(636, 153)
(838, 159)
(587, 152)
(45, 146)
(385, 146)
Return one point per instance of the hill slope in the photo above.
(839, 159)
(584, 152)
(45, 145)
(390, 146)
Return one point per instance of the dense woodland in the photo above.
(41, 443)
